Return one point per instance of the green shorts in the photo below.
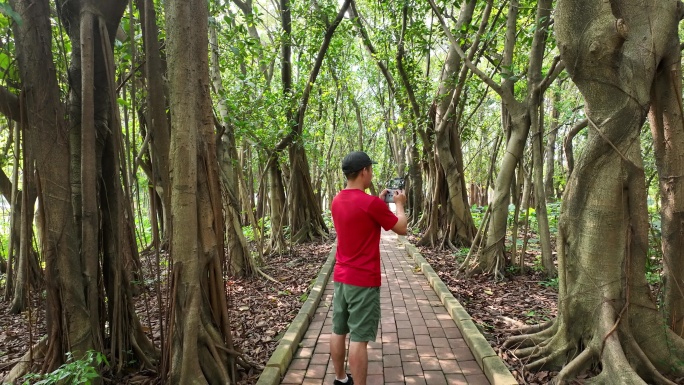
(356, 310)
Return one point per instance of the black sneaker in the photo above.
(350, 381)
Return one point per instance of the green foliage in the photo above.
(327, 219)
(477, 213)
(264, 226)
(553, 214)
(7, 10)
(143, 228)
(80, 371)
(654, 263)
(653, 277)
(537, 264)
(552, 283)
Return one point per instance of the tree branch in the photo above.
(489, 81)
(369, 46)
(402, 70)
(567, 143)
(244, 6)
(297, 129)
(556, 69)
(5, 186)
(9, 104)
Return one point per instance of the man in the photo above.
(358, 218)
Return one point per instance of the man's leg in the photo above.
(337, 352)
(358, 361)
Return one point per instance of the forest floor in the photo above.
(261, 310)
(495, 307)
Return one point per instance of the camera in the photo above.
(393, 185)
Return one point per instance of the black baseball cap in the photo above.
(355, 161)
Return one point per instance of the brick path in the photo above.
(418, 342)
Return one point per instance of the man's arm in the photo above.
(402, 224)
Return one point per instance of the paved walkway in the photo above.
(418, 342)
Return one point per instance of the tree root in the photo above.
(241, 359)
(575, 366)
(23, 365)
(626, 353)
(548, 355)
(648, 366)
(268, 277)
(527, 340)
(531, 329)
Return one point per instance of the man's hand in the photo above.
(402, 224)
(383, 194)
(399, 197)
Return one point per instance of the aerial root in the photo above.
(529, 340)
(546, 349)
(23, 365)
(648, 366)
(575, 366)
(616, 367)
(531, 329)
(546, 359)
(676, 358)
(539, 350)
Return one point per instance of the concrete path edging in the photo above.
(493, 366)
(280, 359)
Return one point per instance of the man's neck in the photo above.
(355, 185)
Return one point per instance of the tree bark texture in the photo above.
(549, 153)
(74, 274)
(667, 128)
(89, 169)
(305, 214)
(277, 206)
(47, 136)
(521, 116)
(460, 229)
(241, 262)
(200, 330)
(606, 314)
(157, 119)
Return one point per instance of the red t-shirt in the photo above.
(358, 217)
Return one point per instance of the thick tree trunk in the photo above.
(491, 258)
(305, 216)
(89, 169)
(606, 313)
(200, 332)
(415, 180)
(157, 119)
(539, 193)
(241, 262)
(73, 274)
(460, 226)
(27, 258)
(435, 232)
(549, 153)
(277, 205)
(667, 128)
(47, 136)
(127, 339)
(520, 116)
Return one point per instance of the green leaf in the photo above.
(4, 61)
(7, 10)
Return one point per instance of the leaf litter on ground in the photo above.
(260, 311)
